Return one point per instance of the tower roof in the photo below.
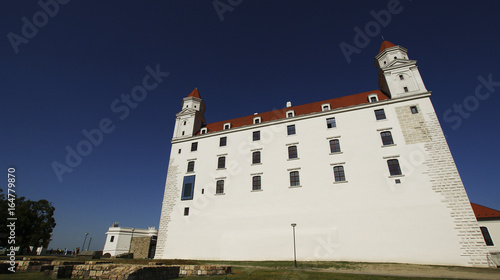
(385, 45)
(195, 93)
(483, 212)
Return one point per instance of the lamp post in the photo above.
(84, 240)
(90, 241)
(294, 251)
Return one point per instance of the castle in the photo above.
(365, 177)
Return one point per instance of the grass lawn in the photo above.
(24, 276)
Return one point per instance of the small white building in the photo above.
(489, 223)
(119, 239)
(365, 177)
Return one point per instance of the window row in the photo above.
(334, 144)
(338, 175)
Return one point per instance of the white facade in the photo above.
(118, 239)
(421, 216)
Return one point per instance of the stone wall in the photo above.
(140, 247)
(169, 200)
(188, 270)
(124, 272)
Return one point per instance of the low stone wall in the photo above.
(188, 270)
(124, 272)
(29, 265)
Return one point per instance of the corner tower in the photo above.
(398, 75)
(190, 119)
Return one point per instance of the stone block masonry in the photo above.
(169, 201)
(445, 180)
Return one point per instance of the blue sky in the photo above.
(63, 75)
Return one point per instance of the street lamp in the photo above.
(84, 240)
(294, 251)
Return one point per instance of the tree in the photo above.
(35, 221)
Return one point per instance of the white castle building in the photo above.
(366, 177)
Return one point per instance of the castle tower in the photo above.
(398, 75)
(190, 119)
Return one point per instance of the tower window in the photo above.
(186, 211)
(290, 129)
(184, 123)
(221, 162)
(256, 157)
(406, 89)
(294, 178)
(339, 174)
(256, 183)
(190, 166)
(219, 186)
(335, 146)
(486, 236)
(330, 123)
(395, 57)
(222, 141)
(112, 238)
(188, 187)
(292, 152)
(414, 109)
(386, 138)
(256, 135)
(401, 77)
(194, 146)
(380, 114)
(394, 168)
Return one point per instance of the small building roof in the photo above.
(385, 45)
(195, 93)
(340, 102)
(483, 212)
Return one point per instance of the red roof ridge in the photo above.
(195, 93)
(339, 102)
(385, 45)
(484, 212)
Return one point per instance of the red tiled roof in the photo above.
(195, 93)
(335, 103)
(483, 212)
(385, 45)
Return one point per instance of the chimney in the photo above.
(288, 104)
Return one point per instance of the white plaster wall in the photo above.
(494, 230)
(368, 218)
(121, 243)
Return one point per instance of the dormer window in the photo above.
(373, 98)
(290, 114)
(203, 130)
(227, 126)
(257, 120)
(325, 107)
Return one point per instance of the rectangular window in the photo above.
(221, 162)
(330, 123)
(219, 186)
(256, 183)
(179, 151)
(222, 141)
(292, 152)
(194, 146)
(335, 146)
(186, 211)
(188, 187)
(486, 236)
(414, 109)
(394, 168)
(380, 114)
(290, 129)
(386, 138)
(338, 172)
(190, 166)
(112, 238)
(401, 77)
(255, 157)
(406, 89)
(256, 135)
(294, 178)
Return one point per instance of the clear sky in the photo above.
(66, 65)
